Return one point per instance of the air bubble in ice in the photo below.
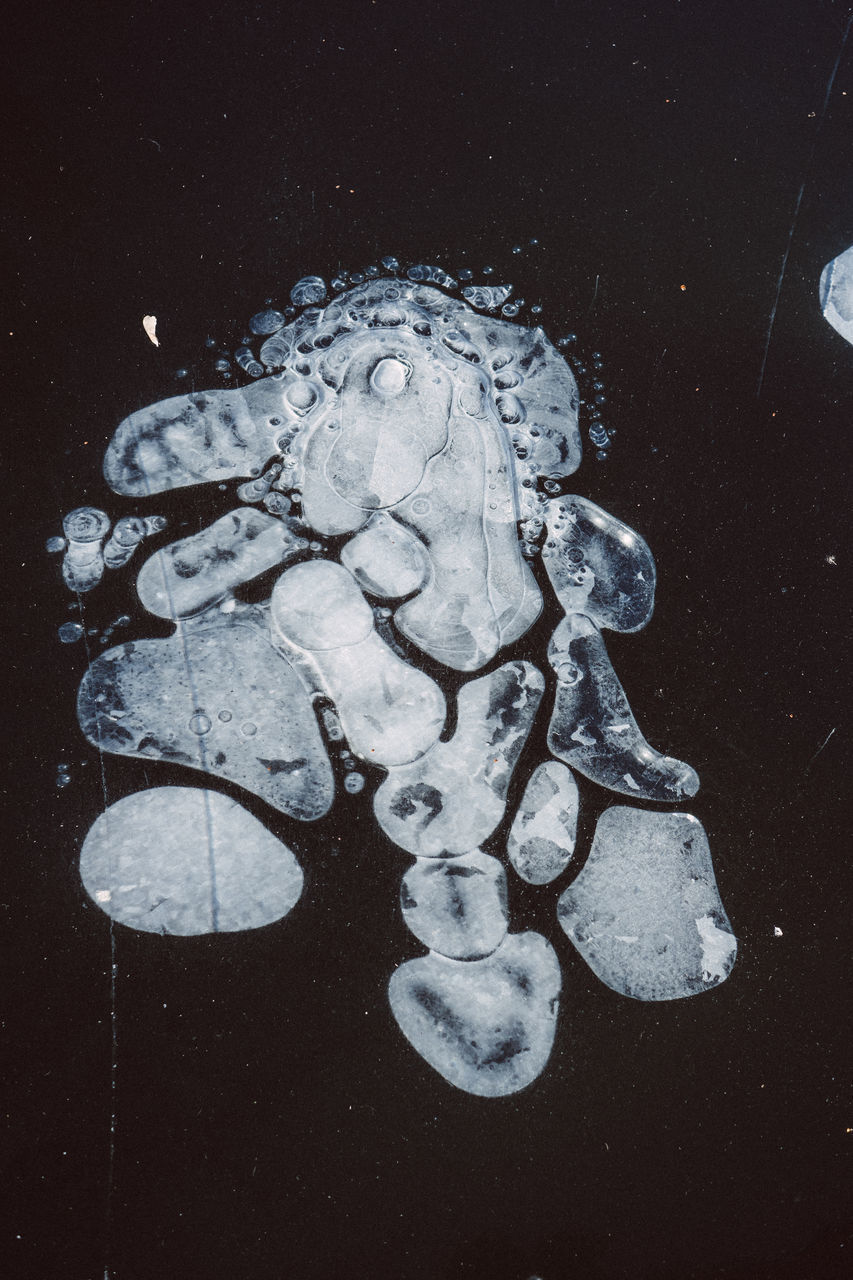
(266, 322)
(70, 632)
(308, 291)
(54, 545)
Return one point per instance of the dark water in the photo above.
(245, 1106)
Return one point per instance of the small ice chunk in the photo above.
(836, 293)
(149, 324)
(486, 1025)
(645, 912)
(542, 838)
(456, 906)
(308, 291)
(386, 559)
(182, 860)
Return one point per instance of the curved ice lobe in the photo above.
(216, 696)
(185, 861)
(390, 712)
(456, 906)
(191, 575)
(645, 912)
(386, 559)
(451, 800)
(836, 294)
(193, 439)
(597, 565)
(593, 728)
(486, 1025)
(542, 837)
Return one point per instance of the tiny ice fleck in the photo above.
(777, 932)
(149, 324)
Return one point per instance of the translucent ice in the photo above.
(307, 291)
(181, 860)
(542, 837)
(593, 729)
(597, 565)
(188, 576)
(456, 906)
(836, 293)
(486, 1025)
(645, 912)
(126, 536)
(452, 799)
(487, 297)
(390, 712)
(386, 559)
(218, 697)
(83, 564)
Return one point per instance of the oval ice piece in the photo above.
(542, 837)
(386, 559)
(456, 906)
(645, 912)
(183, 860)
(487, 1025)
(836, 293)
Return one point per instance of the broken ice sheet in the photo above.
(183, 860)
(597, 565)
(456, 906)
(215, 696)
(391, 713)
(836, 293)
(542, 837)
(486, 1025)
(187, 576)
(592, 727)
(451, 800)
(645, 912)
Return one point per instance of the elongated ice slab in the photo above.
(593, 729)
(188, 576)
(456, 906)
(218, 697)
(451, 800)
(182, 860)
(386, 559)
(542, 837)
(391, 713)
(597, 565)
(836, 293)
(645, 912)
(487, 1025)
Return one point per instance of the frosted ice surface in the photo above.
(597, 565)
(486, 1025)
(645, 912)
(218, 697)
(451, 800)
(188, 576)
(182, 860)
(386, 559)
(542, 837)
(836, 293)
(391, 713)
(593, 729)
(456, 906)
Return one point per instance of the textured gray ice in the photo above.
(542, 837)
(836, 293)
(456, 906)
(218, 697)
(451, 800)
(592, 727)
(182, 860)
(645, 912)
(487, 1025)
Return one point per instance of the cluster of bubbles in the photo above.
(71, 632)
(353, 780)
(87, 549)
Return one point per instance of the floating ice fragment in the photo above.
(456, 906)
(149, 324)
(83, 563)
(181, 860)
(53, 545)
(645, 912)
(308, 291)
(150, 698)
(836, 294)
(386, 559)
(190, 575)
(452, 799)
(487, 297)
(126, 536)
(70, 632)
(542, 838)
(266, 322)
(593, 729)
(597, 565)
(391, 713)
(486, 1025)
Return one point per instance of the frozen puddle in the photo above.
(451, 800)
(456, 906)
(183, 860)
(542, 837)
(645, 912)
(487, 1025)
